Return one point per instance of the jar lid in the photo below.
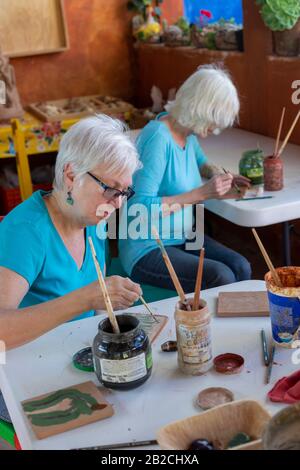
(229, 363)
(83, 360)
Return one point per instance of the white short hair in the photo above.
(207, 98)
(93, 141)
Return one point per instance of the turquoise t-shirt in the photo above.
(168, 170)
(31, 246)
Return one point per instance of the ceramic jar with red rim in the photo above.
(273, 173)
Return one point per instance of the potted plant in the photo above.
(203, 34)
(283, 18)
(229, 35)
(177, 34)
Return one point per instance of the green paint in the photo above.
(149, 361)
(81, 403)
(238, 439)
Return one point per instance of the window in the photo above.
(219, 9)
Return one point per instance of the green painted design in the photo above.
(81, 403)
(239, 439)
(149, 361)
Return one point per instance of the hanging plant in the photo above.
(279, 15)
(283, 18)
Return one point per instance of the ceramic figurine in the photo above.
(12, 108)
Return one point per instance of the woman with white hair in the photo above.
(173, 164)
(47, 274)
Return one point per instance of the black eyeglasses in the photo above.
(112, 193)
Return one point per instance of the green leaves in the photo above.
(279, 15)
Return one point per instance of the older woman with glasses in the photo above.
(171, 180)
(47, 274)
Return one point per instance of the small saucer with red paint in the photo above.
(229, 363)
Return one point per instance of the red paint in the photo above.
(229, 363)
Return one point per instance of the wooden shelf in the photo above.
(278, 58)
(217, 54)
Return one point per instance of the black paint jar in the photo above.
(122, 361)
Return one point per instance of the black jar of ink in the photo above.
(122, 361)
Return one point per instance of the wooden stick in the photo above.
(199, 280)
(289, 134)
(267, 259)
(148, 308)
(106, 297)
(279, 132)
(169, 265)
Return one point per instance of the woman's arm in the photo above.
(215, 188)
(19, 326)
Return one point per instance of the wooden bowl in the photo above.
(218, 425)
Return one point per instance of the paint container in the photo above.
(283, 430)
(273, 174)
(122, 361)
(252, 166)
(284, 305)
(193, 338)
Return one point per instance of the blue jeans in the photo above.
(221, 266)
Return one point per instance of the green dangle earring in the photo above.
(69, 199)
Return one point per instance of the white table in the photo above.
(226, 150)
(44, 365)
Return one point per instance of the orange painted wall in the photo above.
(172, 10)
(100, 58)
(98, 61)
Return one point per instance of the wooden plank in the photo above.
(243, 304)
(35, 27)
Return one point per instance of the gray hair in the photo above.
(208, 97)
(95, 140)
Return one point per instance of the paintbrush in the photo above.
(265, 348)
(171, 270)
(121, 445)
(106, 297)
(279, 133)
(254, 198)
(267, 259)
(199, 280)
(234, 185)
(269, 370)
(288, 135)
(148, 308)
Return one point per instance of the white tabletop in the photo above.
(44, 365)
(225, 151)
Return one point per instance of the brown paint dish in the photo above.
(214, 396)
(229, 363)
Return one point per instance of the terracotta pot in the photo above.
(231, 40)
(287, 43)
(198, 39)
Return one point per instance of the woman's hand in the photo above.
(240, 180)
(122, 292)
(216, 187)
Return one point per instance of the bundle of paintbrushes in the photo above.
(273, 165)
(186, 305)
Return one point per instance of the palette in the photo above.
(151, 328)
(61, 410)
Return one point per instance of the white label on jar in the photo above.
(123, 370)
(195, 344)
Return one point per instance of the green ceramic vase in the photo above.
(252, 166)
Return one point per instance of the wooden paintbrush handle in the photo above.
(103, 288)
